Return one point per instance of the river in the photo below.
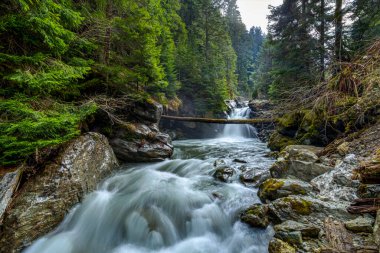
(174, 206)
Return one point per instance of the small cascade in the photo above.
(237, 131)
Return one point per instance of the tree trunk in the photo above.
(322, 40)
(338, 30)
(108, 34)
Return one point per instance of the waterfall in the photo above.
(237, 131)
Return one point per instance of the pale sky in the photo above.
(254, 12)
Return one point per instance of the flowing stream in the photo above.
(172, 206)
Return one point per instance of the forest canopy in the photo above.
(55, 55)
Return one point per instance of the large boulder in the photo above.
(44, 199)
(275, 188)
(256, 216)
(306, 209)
(300, 162)
(138, 142)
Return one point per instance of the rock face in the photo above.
(140, 140)
(45, 198)
(8, 185)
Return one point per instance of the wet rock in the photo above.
(279, 246)
(337, 184)
(369, 191)
(137, 142)
(8, 185)
(239, 161)
(256, 216)
(219, 162)
(294, 238)
(274, 188)
(45, 198)
(306, 209)
(360, 224)
(223, 174)
(254, 177)
(307, 230)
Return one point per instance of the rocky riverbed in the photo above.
(308, 195)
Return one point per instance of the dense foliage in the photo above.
(55, 55)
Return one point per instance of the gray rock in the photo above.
(307, 230)
(256, 216)
(137, 142)
(45, 198)
(360, 224)
(254, 177)
(369, 191)
(275, 188)
(299, 161)
(8, 185)
(223, 173)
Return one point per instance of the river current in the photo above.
(174, 206)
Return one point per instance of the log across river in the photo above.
(220, 121)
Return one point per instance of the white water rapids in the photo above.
(174, 206)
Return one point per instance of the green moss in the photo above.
(269, 188)
(297, 189)
(299, 205)
(277, 141)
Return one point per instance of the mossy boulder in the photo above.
(277, 141)
(256, 216)
(305, 209)
(274, 188)
(279, 246)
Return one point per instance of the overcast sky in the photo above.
(254, 12)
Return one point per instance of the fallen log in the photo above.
(362, 209)
(220, 121)
(366, 201)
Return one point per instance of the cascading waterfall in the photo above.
(174, 206)
(238, 130)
